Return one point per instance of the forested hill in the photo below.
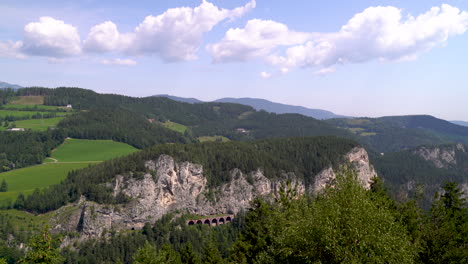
(396, 133)
(278, 108)
(425, 166)
(306, 157)
(234, 121)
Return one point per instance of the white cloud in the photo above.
(378, 33)
(175, 35)
(122, 62)
(103, 38)
(11, 49)
(51, 38)
(325, 71)
(265, 75)
(257, 39)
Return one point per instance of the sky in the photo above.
(357, 58)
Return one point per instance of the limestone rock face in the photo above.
(441, 157)
(182, 187)
(359, 161)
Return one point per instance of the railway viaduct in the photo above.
(212, 221)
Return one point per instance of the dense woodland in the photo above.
(204, 119)
(119, 125)
(397, 133)
(344, 224)
(18, 150)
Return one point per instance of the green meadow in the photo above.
(36, 124)
(79, 150)
(30, 107)
(213, 138)
(73, 154)
(175, 126)
(25, 180)
(26, 114)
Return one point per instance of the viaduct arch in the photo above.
(212, 221)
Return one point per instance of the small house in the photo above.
(16, 129)
(242, 130)
(69, 106)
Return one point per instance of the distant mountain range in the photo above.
(4, 85)
(180, 99)
(262, 104)
(460, 123)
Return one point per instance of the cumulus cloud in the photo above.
(121, 62)
(51, 38)
(103, 38)
(175, 35)
(257, 39)
(377, 33)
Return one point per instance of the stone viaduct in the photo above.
(212, 221)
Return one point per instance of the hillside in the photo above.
(425, 166)
(278, 108)
(72, 155)
(395, 133)
(180, 99)
(262, 104)
(233, 121)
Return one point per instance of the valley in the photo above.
(121, 168)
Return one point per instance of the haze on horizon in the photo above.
(366, 58)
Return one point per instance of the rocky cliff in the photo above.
(441, 157)
(182, 187)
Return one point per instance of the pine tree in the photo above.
(43, 249)
(3, 186)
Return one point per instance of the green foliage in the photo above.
(43, 249)
(446, 233)
(345, 224)
(119, 125)
(21, 149)
(400, 168)
(4, 186)
(204, 119)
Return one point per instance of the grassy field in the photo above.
(35, 107)
(175, 126)
(36, 124)
(72, 155)
(29, 100)
(79, 150)
(213, 138)
(27, 179)
(26, 114)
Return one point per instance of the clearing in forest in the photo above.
(73, 154)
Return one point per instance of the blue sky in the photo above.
(365, 58)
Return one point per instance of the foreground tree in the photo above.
(148, 255)
(446, 233)
(43, 249)
(345, 224)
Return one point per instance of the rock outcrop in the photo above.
(182, 187)
(441, 157)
